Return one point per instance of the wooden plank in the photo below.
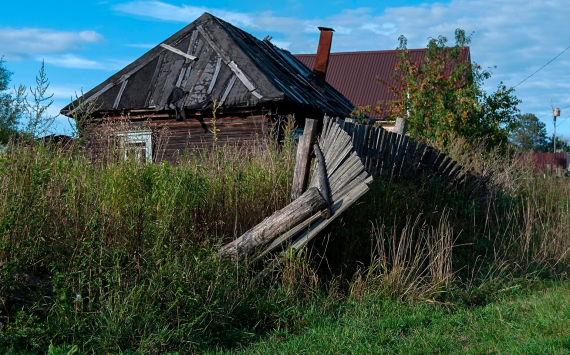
(418, 155)
(346, 188)
(444, 171)
(120, 94)
(326, 122)
(408, 163)
(388, 162)
(383, 158)
(365, 143)
(399, 151)
(437, 163)
(351, 162)
(431, 156)
(378, 159)
(215, 77)
(278, 223)
(191, 45)
(169, 84)
(324, 187)
(178, 51)
(153, 80)
(213, 44)
(303, 160)
(241, 76)
(338, 208)
(284, 238)
(181, 77)
(442, 166)
(339, 157)
(401, 126)
(228, 89)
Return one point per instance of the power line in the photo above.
(559, 123)
(567, 48)
(550, 113)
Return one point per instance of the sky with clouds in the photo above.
(83, 43)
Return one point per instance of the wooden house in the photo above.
(209, 67)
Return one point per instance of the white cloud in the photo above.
(77, 62)
(142, 45)
(384, 29)
(518, 37)
(184, 13)
(26, 43)
(282, 44)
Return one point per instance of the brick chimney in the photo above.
(323, 53)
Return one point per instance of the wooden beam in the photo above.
(178, 51)
(228, 89)
(215, 77)
(118, 98)
(278, 223)
(231, 64)
(303, 161)
(324, 187)
(120, 81)
(401, 126)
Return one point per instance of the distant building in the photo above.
(355, 74)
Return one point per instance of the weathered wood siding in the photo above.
(172, 138)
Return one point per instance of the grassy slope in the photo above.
(535, 323)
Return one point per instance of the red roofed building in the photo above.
(354, 74)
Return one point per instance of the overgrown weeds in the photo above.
(116, 256)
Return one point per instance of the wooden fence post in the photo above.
(401, 126)
(303, 160)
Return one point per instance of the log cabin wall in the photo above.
(172, 139)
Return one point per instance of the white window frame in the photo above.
(127, 139)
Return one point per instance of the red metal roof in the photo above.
(354, 74)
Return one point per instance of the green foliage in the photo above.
(11, 105)
(120, 257)
(525, 323)
(529, 134)
(39, 120)
(443, 95)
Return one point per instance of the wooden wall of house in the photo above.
(171, 138)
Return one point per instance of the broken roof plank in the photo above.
(178, 51)
(215, 77)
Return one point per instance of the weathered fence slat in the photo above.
(349, 155)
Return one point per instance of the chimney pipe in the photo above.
(323, 53)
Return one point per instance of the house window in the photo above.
(136, 145)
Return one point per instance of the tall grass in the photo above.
(116, 256)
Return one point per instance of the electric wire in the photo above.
(550, 113)
(528, 77)
(558, 125)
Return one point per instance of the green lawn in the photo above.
(531, 323)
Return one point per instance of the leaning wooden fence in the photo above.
(349, 156)
(389, 155)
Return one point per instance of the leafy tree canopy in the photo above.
(442, 95)
(10, 105)
(529, 134)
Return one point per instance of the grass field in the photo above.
(534, 322)
(121, 257)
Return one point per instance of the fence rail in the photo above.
(389, 155)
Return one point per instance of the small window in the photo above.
(136, 145)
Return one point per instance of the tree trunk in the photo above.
(278, 223)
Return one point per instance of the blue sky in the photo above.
(83, 43)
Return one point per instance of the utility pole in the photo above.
(555, 114)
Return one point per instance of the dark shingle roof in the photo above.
(231, 67)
